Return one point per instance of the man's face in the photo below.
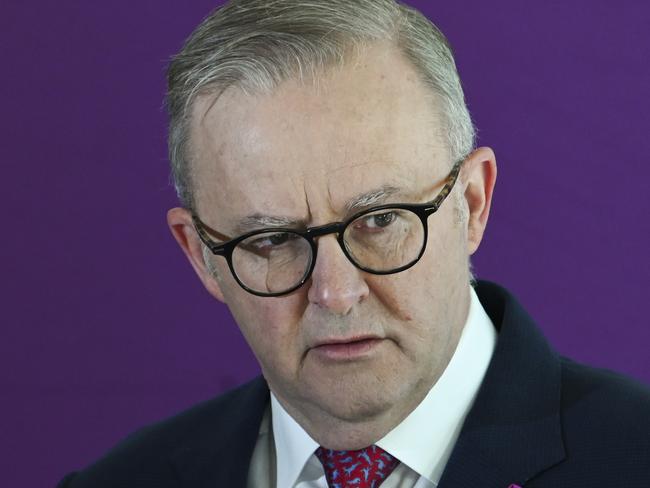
(302, 154)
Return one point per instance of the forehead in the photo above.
(312, 144)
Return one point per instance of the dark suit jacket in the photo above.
(539, 420)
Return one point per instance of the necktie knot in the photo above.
(365, 468)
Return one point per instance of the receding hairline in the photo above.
(355, 55)
(206, 100)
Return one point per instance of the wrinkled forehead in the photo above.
(313, 146)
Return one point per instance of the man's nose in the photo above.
(336, 283)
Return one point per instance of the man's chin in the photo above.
(343, 425)
(353, 405)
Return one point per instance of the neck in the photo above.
(344, 434)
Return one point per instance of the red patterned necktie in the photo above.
(365, 468)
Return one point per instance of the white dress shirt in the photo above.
(423, 441)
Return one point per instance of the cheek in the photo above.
(415, 291)
(270, 325)
(395, 294)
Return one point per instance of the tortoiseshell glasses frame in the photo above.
(228, 244)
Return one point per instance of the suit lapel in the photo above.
(219, 455)
(513, 431)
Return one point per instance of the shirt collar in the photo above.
(419, 442)
(293, 446)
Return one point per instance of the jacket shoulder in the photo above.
(142, 458)
(605, 415)
(603, 392)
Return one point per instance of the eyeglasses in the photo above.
(380, 240)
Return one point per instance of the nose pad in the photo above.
(336, 283)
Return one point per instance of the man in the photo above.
(332, 196)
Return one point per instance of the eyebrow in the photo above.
(371, 198)
(259, 221)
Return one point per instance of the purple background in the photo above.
(104, 325)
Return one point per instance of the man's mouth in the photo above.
(347, 349)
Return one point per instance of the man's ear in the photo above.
(478, 176)
(180, 223)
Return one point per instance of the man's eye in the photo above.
(376, 221)
(280, 238)
(384, 220)
(270, 241)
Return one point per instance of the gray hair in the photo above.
(257, 44)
